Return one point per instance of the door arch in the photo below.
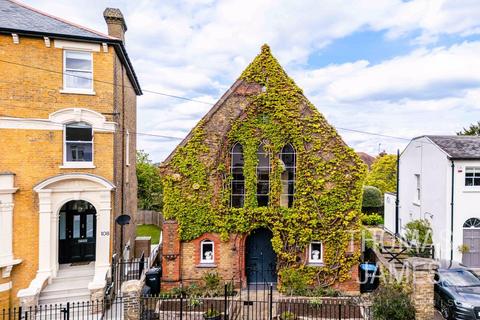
(471, 239)
(260, 258)
(77, 232)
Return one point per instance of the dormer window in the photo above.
(77, 71)
(78, 148)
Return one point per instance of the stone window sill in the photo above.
(316, 264)
(79, 165)
(73, 91)
(206, 265)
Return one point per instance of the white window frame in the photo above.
(418, 188)
(127, 149)
(76, 90)
(77, 164)
(203, 261)
(310, 260)
(476, 170)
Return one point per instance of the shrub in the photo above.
(295, 281)
(287, 315)
(373, 219)
(372, 197)
(419, 232)
(391, 302)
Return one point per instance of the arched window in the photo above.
(289, 162)
(207, 251)
(78, 143)
(263, 176)
(238, 179)
(472, 223)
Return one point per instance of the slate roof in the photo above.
(17, 16)
(458, 147)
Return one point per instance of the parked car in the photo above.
(457, 291)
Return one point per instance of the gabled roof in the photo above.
(458, 147)
(19, 18)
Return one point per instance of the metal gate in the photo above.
(471, 241)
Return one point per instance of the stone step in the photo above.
(64, 297)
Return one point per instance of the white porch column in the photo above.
(102, 250)
(45, 234)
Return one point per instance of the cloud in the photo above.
(197, 48)
(423, 74)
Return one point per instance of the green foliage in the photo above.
(383, 174)
(419, 231)
(211, 313)
(473, 130)
(149, 230)
(299, 282)
(372, 197)
(392, 302)
(329, 178)
(373, 219)
(288, 315)
(149, 184)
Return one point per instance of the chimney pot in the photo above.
(115, 22)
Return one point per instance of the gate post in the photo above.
(131, 291)
(420, 275)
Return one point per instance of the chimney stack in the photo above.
(115, 22)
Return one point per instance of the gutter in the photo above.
(116, 43)
(452, 209)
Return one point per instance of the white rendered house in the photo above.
(439, 180)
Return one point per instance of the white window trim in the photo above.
(310, 260)
(418, 189)
(127, 149)
(203, 261)
(77, 164)
(76, 90)
(470, 188)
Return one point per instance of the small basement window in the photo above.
(472, 177)
(315, 254)
(207, 252)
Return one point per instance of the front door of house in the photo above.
(77, 232)
(260, 259)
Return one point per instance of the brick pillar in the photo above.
(131, 291)
(420, 272)
(170, 254)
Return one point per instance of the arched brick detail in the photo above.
(216, 251)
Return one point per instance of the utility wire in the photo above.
(171, 96)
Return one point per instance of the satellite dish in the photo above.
(123, 219)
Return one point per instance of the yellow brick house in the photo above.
(67, 165)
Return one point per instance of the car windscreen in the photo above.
(460, 278)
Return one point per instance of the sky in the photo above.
(389, 67)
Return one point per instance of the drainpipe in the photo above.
(397, 198)
(451, 210)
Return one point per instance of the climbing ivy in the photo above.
(328, 187)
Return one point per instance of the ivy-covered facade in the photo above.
(263, 189)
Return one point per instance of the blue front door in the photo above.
(261, 260)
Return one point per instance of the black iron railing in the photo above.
(249, 304)
(107, 309)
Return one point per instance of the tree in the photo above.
(372, 197)
(150, 188)
(383, 174)
(473, 130)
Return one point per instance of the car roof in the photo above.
(445, 265)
